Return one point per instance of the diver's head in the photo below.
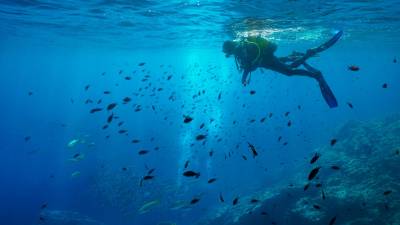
(229, 48)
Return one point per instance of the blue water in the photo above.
(53, 49)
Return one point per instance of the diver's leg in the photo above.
(313, 51)
(301, 60)
(310, 72)
(287, 70)
(310, 68)
(292, 57)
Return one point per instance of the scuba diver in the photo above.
(254, 52)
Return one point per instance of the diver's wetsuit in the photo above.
(249, 56)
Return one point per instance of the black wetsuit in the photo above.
(250, 55)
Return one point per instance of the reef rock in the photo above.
(58, 217)
(362, 189)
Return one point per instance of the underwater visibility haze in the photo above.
(182, 112)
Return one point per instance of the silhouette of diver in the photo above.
(254, 52)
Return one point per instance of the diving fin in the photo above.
(327, 44)
(327, 93)
(314, 51)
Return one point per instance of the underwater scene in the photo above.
(200, 112)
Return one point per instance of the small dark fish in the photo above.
(253, 150)
(333, 142)
(212, 180)
(44, 205)
(254, 200)
(315, 158)
(318, 185)
(95, 110)
(252, 92)
(221, 198)
(143, 152)
(148, 177)
(335, 167)
(386, 206)
(41, 218)
(394, 60)
(306, 186)
(187, 164)
(279, 138)
(107, 92)
(27, 138)
(289, 123)
(126, 100)
(135, 141)
(262, 119)
(187, 119)
(124, 169)
(202, 125)
(87, 87)
(141, 64)
(111, 106)
(385, 85)
(219, 96)
(387, 192)
(128, 78)
(110, 118)
(120, 71)
(244, 157)
(150, 171)
(76, 155)
(317, 207)
(350, 105)
(353, 68)
(264, 213)
(332, 221)
(323, 194)
(122, 131)
(30, 93)
(235, 201)
(287, 114)
(210, 153)
(120, 123)
(313, 173)
(194, 201)
(191, 174)
(200, 137)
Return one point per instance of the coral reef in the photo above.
(57, 217)
(361, 189)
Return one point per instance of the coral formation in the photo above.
(361, 190)
(57, 217)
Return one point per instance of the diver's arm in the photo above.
(246, 73)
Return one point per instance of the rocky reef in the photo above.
(358, 184)
(59, 217)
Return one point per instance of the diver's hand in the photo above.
(244, 81)
(244, 77)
